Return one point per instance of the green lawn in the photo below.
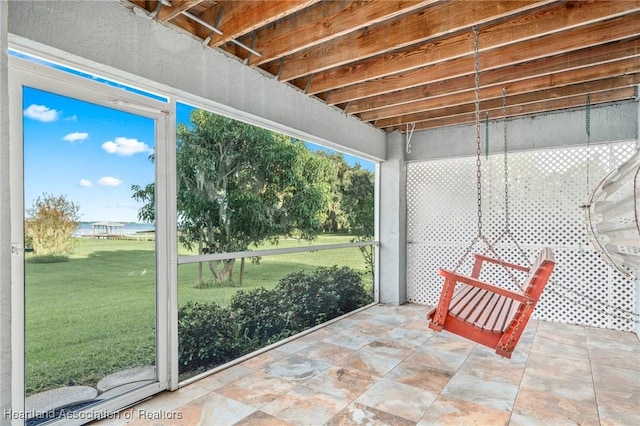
(95, 314)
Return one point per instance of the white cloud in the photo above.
(76, 137)
(85, 183)
(41, 113)
(72, 118)
(109, 181)
(125, 146)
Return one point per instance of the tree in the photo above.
(50, 224)
(240, 185)
(338, 168)
(358, 204)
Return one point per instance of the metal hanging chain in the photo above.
(476, 64)
(507, 228)
(480, 237)
(486, 136)
(507, 225)
(587, 125)
(506, 167)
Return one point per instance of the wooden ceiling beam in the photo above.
(177, 7)
(550, 19)
(467, 104)
(544, 66)
(541, 47)
(185, 24)
(323, 22)
(528, 109)
(618, 68)
(434, 21)
(237, 18)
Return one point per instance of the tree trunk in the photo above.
(241, 271)
(200, 280)
(225, 274)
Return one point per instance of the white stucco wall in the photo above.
(608, 123)
(114, 40)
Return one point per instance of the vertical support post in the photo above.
(637, 310)
(393, 223)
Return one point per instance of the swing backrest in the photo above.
(488, 314)
(539, 274)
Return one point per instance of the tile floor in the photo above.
(383, 366)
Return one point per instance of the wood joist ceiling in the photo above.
(393, 63)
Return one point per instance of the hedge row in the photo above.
(210, 334)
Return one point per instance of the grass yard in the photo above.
(95, 314)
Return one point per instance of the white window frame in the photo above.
(26, 73)
(166, 186)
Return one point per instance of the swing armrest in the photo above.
(458, 278)
(481, 258)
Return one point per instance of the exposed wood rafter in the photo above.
(402, 63)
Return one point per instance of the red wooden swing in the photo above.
(487, 314)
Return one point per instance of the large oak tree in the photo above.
(240, 185)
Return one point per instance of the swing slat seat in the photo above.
(488, 314)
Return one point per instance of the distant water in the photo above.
(129, 228)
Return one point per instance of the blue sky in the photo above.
(89, 153)
(92, 154)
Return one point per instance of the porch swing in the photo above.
(485, 313)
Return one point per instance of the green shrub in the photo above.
(261, 317)
(316, 297)
(211, 335)
(206, 335)
(308, 298)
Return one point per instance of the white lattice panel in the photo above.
(546, 191)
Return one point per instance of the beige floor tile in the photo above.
(358, 414)
(618, 336)
(172, 400)
(444, 351)
(352, 339)
(535, 407)
(256, 389)
(614, 353)
(451, 411)
(264, 359)
(216, 381)
(486, 365)
(211, 409)
(489, 393)
(544, 345)
(346, 383)
(551, 396)
(618, 394)
(374, 359)
(398, 399)
(559, 366)
(384, 366)
(303, 405)
(327, 352)
(297, 368)
(420, 376)
(408, 336)
(258, 418)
